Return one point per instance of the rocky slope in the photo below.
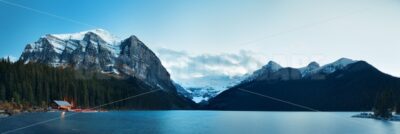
(99, 51)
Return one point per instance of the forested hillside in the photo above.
(353, 88)
(37, 85)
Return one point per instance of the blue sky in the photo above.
(291, 32)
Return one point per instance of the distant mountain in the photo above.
(344, 85)
(99, 51)
(309, 68)
(265, 71)
(322, 72)
(274, 71)
(197, 94)
(204, 88)
(202, 94)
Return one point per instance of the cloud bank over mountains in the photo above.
(184, 66)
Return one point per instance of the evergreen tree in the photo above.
(16, 97)
(30, 97)
(397, 109)
(2, 92)
(38, 85)
(85, 95)
(384, 104)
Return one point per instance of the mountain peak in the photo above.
(344, 61)
(266, 70)
(361, 65)
(133, 37)
(273, 66)
(339, 64)
(271, 62)
(313, 64)
(103, 34)
(309, 68)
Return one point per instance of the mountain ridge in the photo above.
(308, 71)
(98, 50)
(351, 88)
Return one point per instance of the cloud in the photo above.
(184, 66)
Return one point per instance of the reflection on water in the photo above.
(210, 122)
(62, 115)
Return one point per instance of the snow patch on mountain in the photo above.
(309, 68)
(202, 94)
(265, 70)
(273, 66)
(268, 71)
(203, 88)
(332, 67)
(105, 35)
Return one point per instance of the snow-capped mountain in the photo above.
(197, 94)
(270, 71)
(309, 68)
(265, 71)
(273, 71)
(204, 88)
(322, 72)
(202, 94)
(344, 85)
(99, 51)
(332, 67)
(103, 34)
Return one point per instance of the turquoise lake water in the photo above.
(197, 122)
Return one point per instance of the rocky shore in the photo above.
(4, 114)
(10, 108)
(372, 116)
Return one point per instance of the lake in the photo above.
(201, 122)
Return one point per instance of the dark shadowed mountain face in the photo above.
(349, 88)
(98, 51)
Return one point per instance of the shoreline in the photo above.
(365, 115)
(12, 112)
(7, 113)
(8, 109)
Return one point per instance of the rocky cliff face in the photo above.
(138, 60)
(97, 50)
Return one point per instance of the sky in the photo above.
(221, 37)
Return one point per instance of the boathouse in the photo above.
(63, 105)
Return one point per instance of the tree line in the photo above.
(36, 84)
(386, 103)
